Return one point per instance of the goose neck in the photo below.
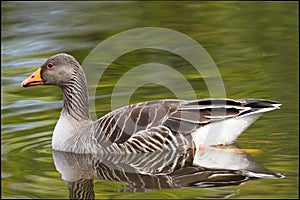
(75, 97)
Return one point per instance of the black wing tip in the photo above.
(237, 102)
(261, 103)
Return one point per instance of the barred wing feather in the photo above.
(151, 125)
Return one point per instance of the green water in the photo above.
(255, 47)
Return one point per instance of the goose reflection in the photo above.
(210, 167)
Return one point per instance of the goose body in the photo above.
(143, 127)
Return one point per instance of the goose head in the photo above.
(58, 70)
(64, 71)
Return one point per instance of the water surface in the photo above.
(254, 44)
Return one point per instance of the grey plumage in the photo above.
(142, 127)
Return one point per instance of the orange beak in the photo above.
(33, 80)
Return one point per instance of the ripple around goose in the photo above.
(143, 127)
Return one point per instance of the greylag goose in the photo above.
(142, 127)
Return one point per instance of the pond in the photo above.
(253, 44)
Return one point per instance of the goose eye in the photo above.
(50, 66)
